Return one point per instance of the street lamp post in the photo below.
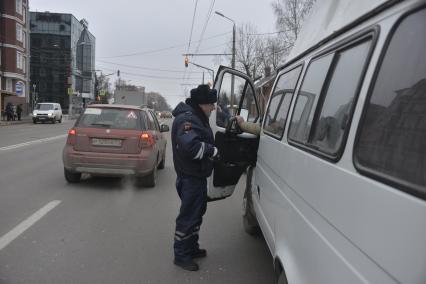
(33, 96)
(233, 55)
(203, 67)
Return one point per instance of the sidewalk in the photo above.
(24, 120)
(27, 119)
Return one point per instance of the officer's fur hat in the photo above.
(204, 95)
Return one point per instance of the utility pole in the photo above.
(233, 56)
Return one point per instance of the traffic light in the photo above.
(186, 61)
(118, 73)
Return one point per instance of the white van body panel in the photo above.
(324, 221)
(328, 16)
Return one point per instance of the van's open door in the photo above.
(237, 150)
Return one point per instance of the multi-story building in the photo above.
(14, 61)
(62, 60)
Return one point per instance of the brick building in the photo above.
(14, 53)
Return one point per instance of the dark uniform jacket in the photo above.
(192, 141)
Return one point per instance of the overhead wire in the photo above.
(208, 15)
(142, 68)
(149, 76)
(158, 50)
(190, 35)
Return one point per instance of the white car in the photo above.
(47, 112)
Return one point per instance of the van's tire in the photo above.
(34, 121)
(72, 177)
(163, 161)
(54, 120)
(60, 120)
(250, 224)
(149, 180)
(282, 279)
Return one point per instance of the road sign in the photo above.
(19, 88)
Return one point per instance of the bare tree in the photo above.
(290, 16)
(246, 57)
(103, 87)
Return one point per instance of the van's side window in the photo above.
(339, 98)
(392, 136)
(310, 90)
(279, 105)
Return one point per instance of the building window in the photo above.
(9, 86)
(19, 32)
(391, 144)
(19, 60)
(19, 7)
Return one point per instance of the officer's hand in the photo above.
(216, 155)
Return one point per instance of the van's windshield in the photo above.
(44, 107)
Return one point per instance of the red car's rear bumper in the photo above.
(109, 164)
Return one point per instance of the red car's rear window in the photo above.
(111, 118)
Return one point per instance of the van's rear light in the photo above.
(71, 137)
(146, 139)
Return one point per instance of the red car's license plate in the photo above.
(106, 142)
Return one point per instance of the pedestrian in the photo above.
(19, 111)
(9, 111)
(193, 153)
(13, 112)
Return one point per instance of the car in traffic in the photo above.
(116, 140)
(47, 112)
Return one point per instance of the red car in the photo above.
(115, 140)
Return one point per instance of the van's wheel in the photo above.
(282, 279)
(249, 220)
(34, 121)
(149, 180)
(54, 120)
(71, 177)
(60, 120)
(250, 224)
(163, 161)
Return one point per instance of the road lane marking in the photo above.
(32, 142)
(24, 225)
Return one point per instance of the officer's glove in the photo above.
(216, 155)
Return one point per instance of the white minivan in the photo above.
(336, 181)
(44, 112)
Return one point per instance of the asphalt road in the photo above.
(105, 230)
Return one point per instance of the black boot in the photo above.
(199, 253)
(189, 265)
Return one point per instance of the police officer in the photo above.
(193, 151)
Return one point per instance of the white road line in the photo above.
(24, 225)
(32, 142)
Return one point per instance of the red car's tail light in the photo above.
(146, 139)
(71, 137)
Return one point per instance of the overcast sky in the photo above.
(154, 35)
